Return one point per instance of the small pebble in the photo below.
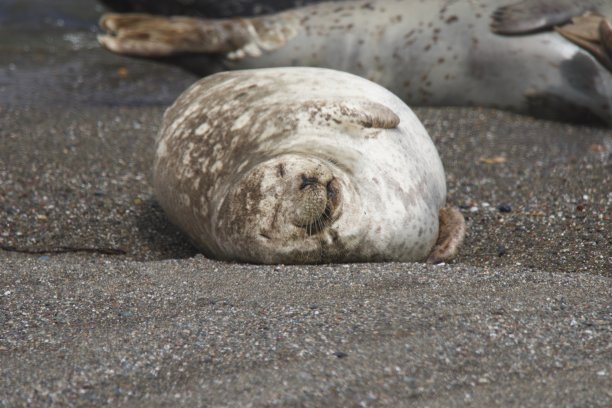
(505, 208)
(340, 354)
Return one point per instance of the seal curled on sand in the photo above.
(302, 165)
(547, 58)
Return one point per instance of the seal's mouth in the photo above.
(321, 204)
(325, 219)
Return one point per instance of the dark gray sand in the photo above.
(103, 302)
(93, 330)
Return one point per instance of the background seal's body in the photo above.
(434, 52)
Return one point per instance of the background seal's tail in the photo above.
(146, 35)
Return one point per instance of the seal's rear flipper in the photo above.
(450, 235)
(605, 35)
(529, 16)
(577, 21)
(146, 35)
(594, 34)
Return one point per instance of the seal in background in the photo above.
(435, 52)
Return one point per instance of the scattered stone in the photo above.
(504, 208)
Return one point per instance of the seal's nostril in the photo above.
(308, 181)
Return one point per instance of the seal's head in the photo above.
(286, 209)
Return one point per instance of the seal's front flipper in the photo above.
(450, 235)
(145, 35)
(594, 34)
(362, 113)
(529, 16)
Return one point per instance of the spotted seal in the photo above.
(302, 165)
(435, 52)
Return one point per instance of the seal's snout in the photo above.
(317, 202)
